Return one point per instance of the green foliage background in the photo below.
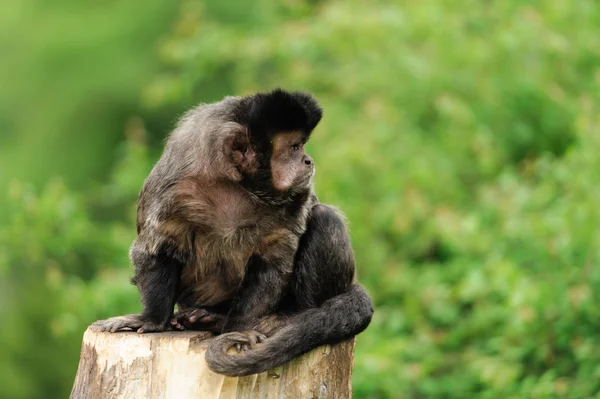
(460, 139)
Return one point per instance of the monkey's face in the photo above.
(291, 168)
(268, 150)
(273, 169)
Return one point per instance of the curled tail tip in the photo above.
(247, 362)
(225, 364)
(219, 360)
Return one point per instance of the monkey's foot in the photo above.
(241, 341)
(198, 319)
(133, 322)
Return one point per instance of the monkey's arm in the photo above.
(157, 271)
(267, 277)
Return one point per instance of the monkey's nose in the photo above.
(307, 160)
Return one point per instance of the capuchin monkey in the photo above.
(230, 230)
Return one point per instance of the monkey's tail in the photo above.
(338, 318)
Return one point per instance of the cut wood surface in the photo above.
(171, 365)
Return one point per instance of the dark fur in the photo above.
(323, 305)
(230, 230)
(278, 111)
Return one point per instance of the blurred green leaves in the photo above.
(61, 266)
(71, 75)
(461, 140)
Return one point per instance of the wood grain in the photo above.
(171, 365)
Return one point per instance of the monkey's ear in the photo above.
(238, 150)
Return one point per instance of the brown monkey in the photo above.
(230, 230)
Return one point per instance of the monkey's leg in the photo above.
(157, 277)
(326, 305)
(264, 284)
(323, 268)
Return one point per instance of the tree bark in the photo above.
(171, 365)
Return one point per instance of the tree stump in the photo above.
(171, 365)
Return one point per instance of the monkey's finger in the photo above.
(252, 340)
(99, 325)
(189, 325)
(102, 325)
(197, 314)
(185, 324)
(208, 319)
(261, 338)
(144, 329)
(177, 326)
(242, 338)
(241, 346)
(115, 326)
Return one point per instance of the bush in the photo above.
(60, 269)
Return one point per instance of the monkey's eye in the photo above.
(296, 147)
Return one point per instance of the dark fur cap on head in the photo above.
(278, 111)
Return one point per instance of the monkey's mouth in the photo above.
(306, 179)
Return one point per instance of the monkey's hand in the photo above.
(241, 341)
(198, 319)
(134, 322)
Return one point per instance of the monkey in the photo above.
(231, 231)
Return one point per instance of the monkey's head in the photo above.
(268, 149)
